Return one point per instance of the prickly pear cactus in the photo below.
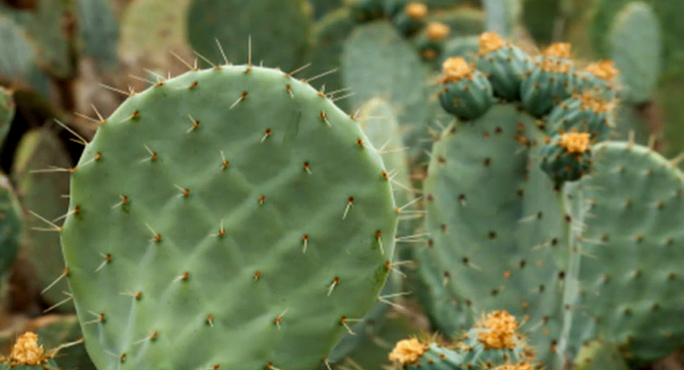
(280, 39)
(497, 227)
(633, 206)
(246, 224)
(27, 354)
(637, 50)
(10, 225)
(414, 354)
(42, 192)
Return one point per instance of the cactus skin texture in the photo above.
(412, 354)
(43, 193)
(573, 250)
(10, 224)
(551, 82)
(224, 231)
(635, 201)
(505, 64)
(495, 341)
(280, 39)
(637, 49)
(598, 356)
(582, 113)
(7, 110)
(466, 92)
(27, 354)
(567, 157)
(489, 246)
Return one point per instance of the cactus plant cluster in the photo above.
(335, 184)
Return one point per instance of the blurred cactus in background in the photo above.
(341, 184)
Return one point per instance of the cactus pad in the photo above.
(10, 224)
(229, 217)
(635, 207)
(7, 110)
(280, 39)
(466, 92)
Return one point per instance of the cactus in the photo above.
(630, 302)
(376, 52)
(27, 354)
(152, 28)
(552, 82)
(597, 355)
(636, 50)
(98, 31)
(7, 110)
(490, 208)
(51, 26)
(466, 92)
(42, 193)
(328, 38)
(18, 59)
(226, 196)
(281, 39)
(10, 225)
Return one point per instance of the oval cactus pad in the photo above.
(228, 218)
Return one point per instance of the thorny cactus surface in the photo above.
(236, 217)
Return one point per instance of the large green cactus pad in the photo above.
(497, 226)
(631, 248)
(231, 216)
(279, 30)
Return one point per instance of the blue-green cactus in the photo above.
(552, 81)
(583, 113)
(10, 225)
(505, 65)
(7, 110)
(252, 235)
(633, 206)
(567, 157)
(41, 192)
(465, 92)
(280, 38)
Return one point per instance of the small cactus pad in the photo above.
(27, 354)
(413, 354)
(551, 82)
(505, 64)
(10, 224)
(376, 52)
(636, 47)
(584, 112)
(630, 253)
(279, 30)
(231, 217)
(466, 92)
(598, 79)
(567, 157)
